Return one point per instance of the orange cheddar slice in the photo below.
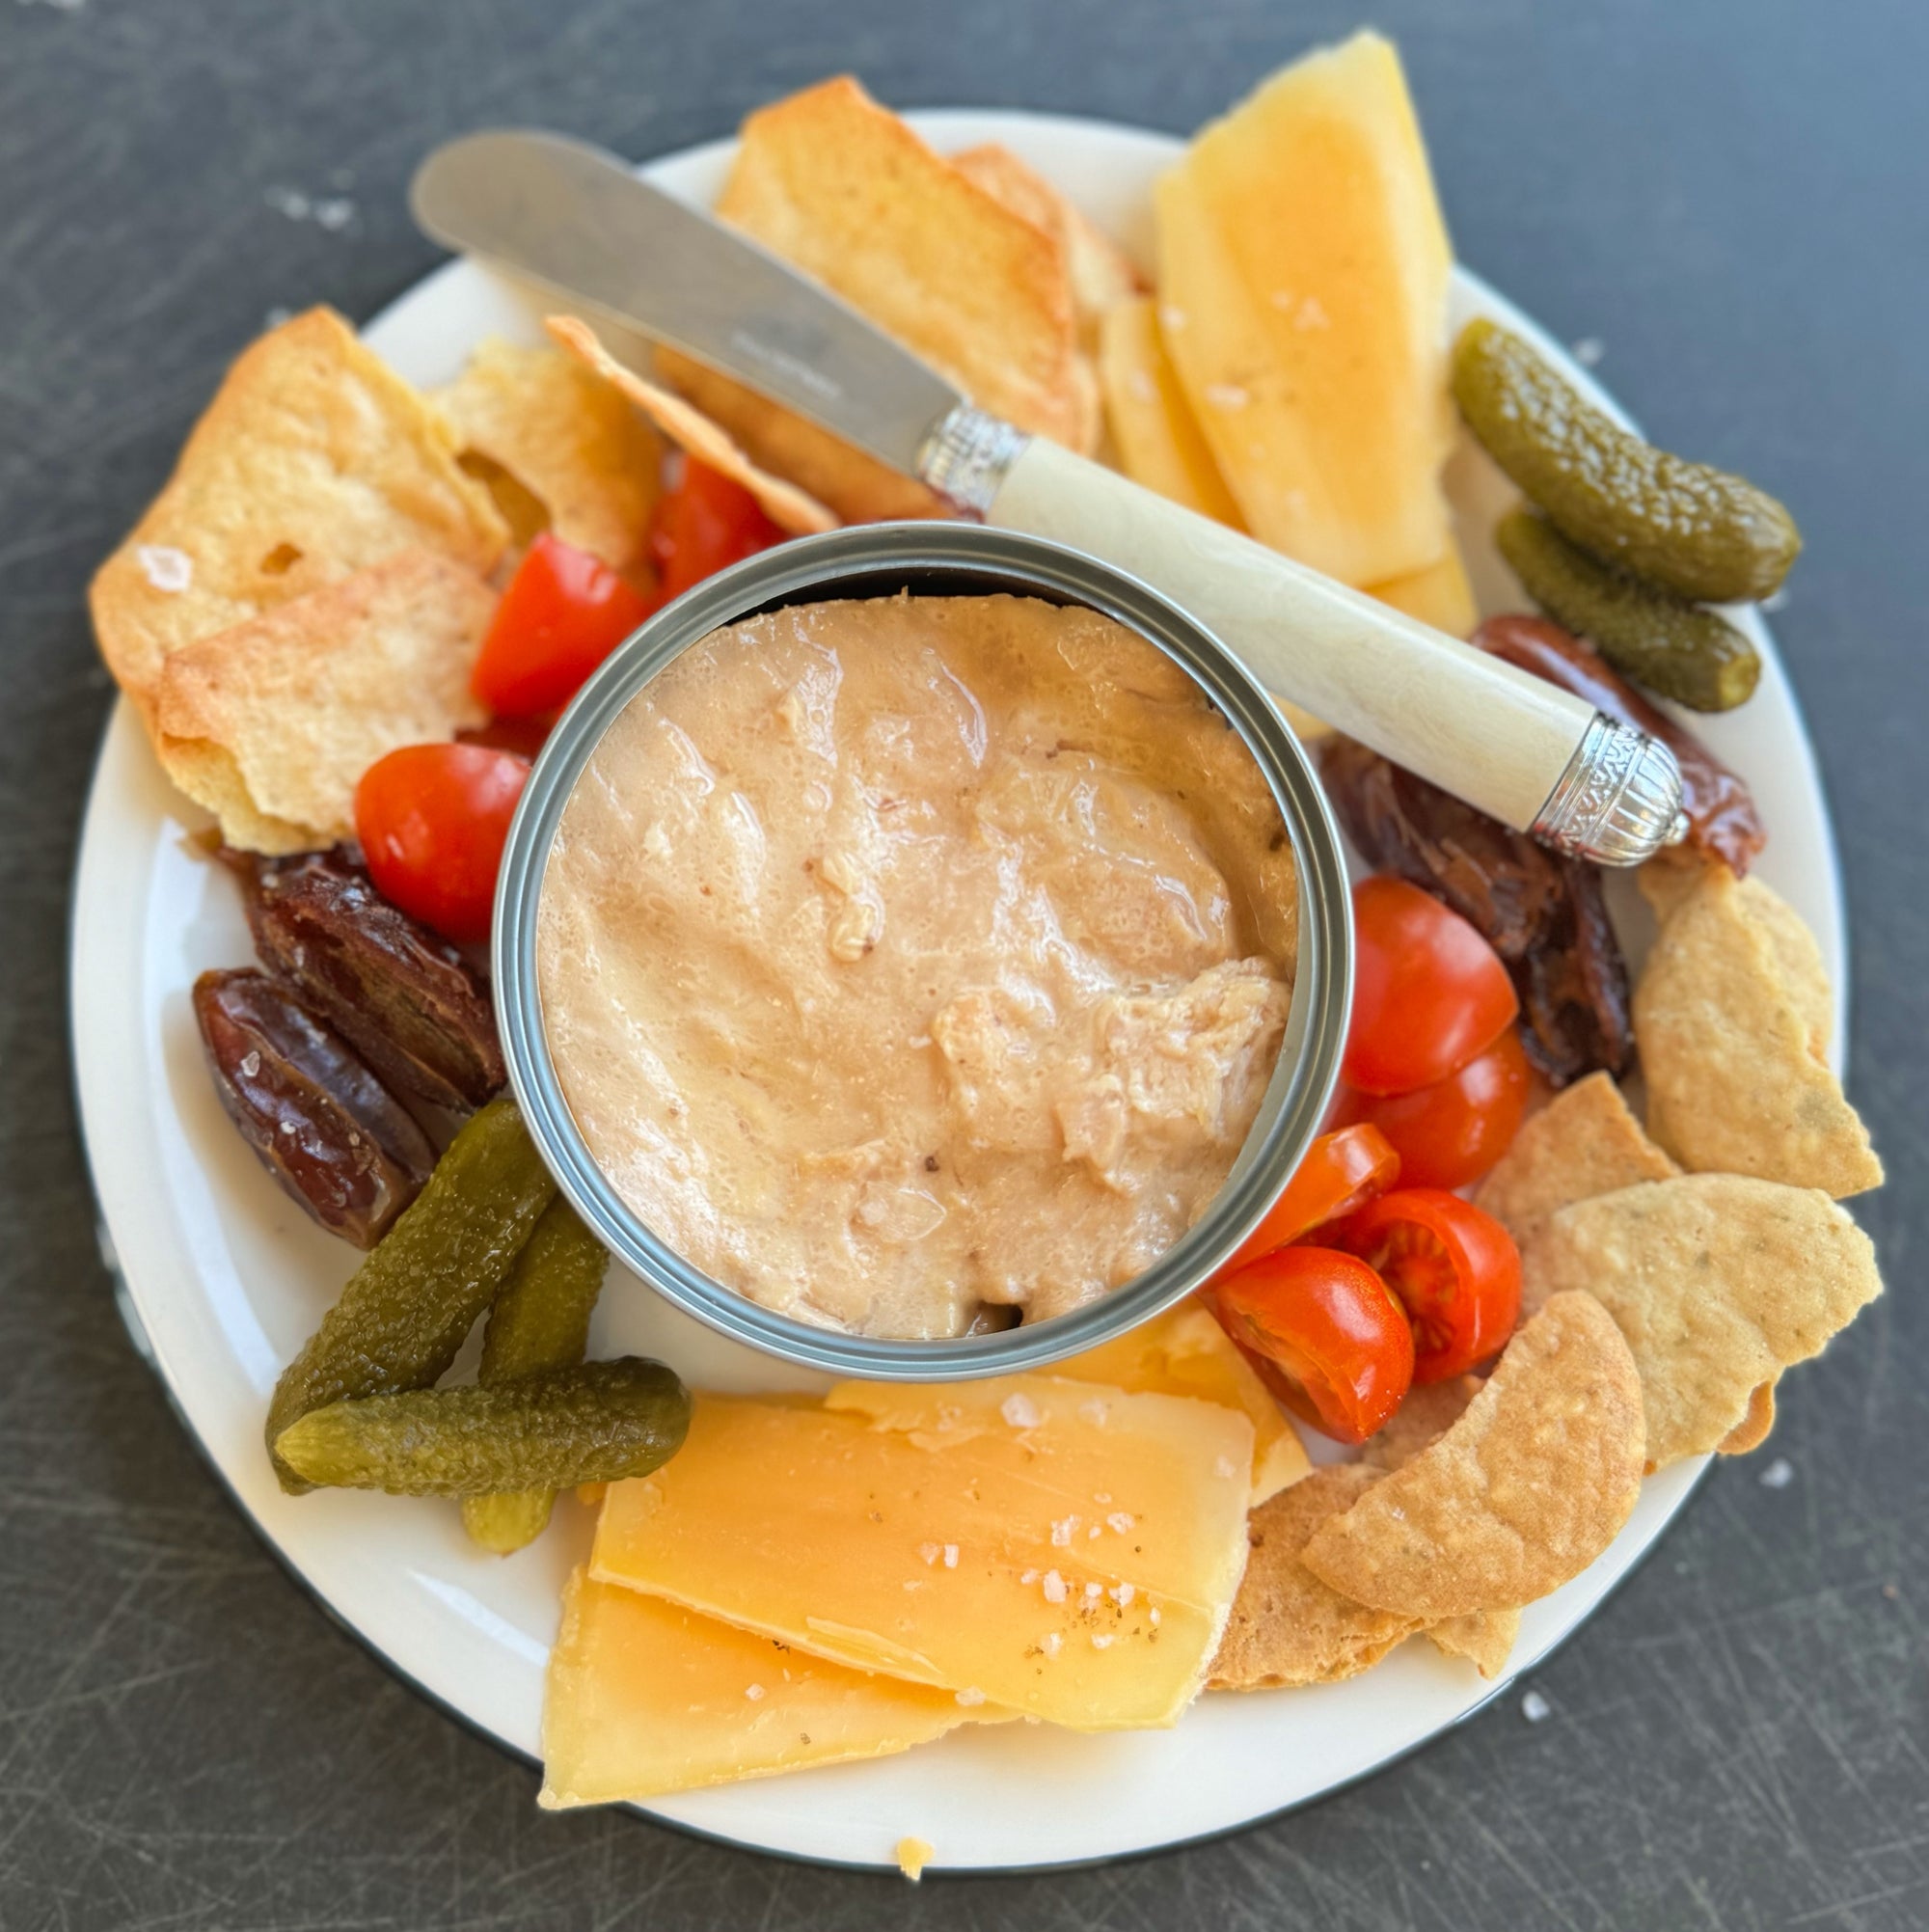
(645, 1697)
(1058, 1548)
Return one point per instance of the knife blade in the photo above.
(579, 222)
(566, 214)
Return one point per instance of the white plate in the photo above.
(228, 1278)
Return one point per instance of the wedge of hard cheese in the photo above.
(645, 1697)
(1059, 1548)
(1185, 1352)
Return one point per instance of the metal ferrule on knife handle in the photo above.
(1536, 757)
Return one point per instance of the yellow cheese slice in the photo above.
(1439, 594)
(1058, 1548)
(1160, 442)
(645, 1697)
(1185, 1352)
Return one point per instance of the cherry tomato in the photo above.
(563, 612)
(1342, 1171)
(1451, 1132)
(1454, 1269)
(524, 736)
(432, 819)
(1324, 1334)
(1429, 992)
(705, 523)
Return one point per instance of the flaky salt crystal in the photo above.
(1021, 1411)
(969, 1695)
(1120, 1520)
(753, 1692)
(165, 567)
(950, 1556)
(1054, 1586)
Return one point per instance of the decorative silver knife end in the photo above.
(966, 458)
(1619, 800)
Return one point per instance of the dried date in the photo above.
(319, 1120)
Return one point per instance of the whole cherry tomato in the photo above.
(703, 524)
(1324, 1334)
(1429, 992)
(1454, 1269)
(1341, 1172)
(563, 612)
(432, 819)
(1451, 1132)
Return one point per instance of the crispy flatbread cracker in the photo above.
(1734, 1085)
(1523, 1492)
(569, 438)
(271, 723)
(1584, 1142)
(1754, 1428)
(846, 191)
(1288, 1627)
(1718, 1281)
(313, 461)
(1485, 1638)
(856, 487)
(690, 430)
(1101, 273)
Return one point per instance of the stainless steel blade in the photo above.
(567, 215)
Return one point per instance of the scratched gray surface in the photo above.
(1730, 196)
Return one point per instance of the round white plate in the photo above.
(226, 1278)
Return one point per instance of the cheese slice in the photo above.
(1185, 1352)
(1061, 1549)
(645, 1697)
(1439, 594)
(1159, 442)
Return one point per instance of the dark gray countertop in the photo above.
(1730, 195)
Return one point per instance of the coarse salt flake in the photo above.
(950, 1556)
(1021, 1411)
(165, 567)
(1120, 1520)
(1051, 1642)
(1061, 1532)
(1151, 1617)
(1093, 1591)
(1102, 1639)
(753, 1692)
(1122, 1595)
(970, 1696)
(1054, 1586)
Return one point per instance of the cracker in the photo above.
(1584, 1142)
(692, 431)
(1521, 1494)
(1754, 1428)
(271, 723)
(1734, 1085)
(313, 461)
(1797, 959)
(1288, 1627)
(568, 438)
(845, 190)
(1719, 1282)
(1485, 1638)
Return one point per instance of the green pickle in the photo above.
(407, 1310)
(540, 1321)
(598, 1422)
(1688, 528)
(1677, 650)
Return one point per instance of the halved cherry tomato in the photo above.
(1454, 1269)
(563, 612)
(1429, 992)
(703, 524)
(432, 819)
(1341, 1172)
(1324, 1334)
(1451, 1132)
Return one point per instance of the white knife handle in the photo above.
(1521, 750)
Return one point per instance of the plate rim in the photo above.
(937, 122)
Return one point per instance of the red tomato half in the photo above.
(563, 612)
(1324, 1334)
(704, 524)
(1342, 1171)
(1456, 1271)
(1451, 1132)
(432, 819)
(1429, 992)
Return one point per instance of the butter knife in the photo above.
(578, 223)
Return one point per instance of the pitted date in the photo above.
(409, 1003)
(317, 1117)
(1542, 914)
(1723, 822)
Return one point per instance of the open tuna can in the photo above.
(949, 561)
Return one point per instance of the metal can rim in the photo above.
(938, 558)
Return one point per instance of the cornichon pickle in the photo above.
(540, 1321)
(1697, 531)
(598, 1422)
(1677, 649)
(408, 1308)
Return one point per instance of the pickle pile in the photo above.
(1625, 542)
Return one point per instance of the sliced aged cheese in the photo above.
(1059, 1548)
(1159, 442)
(646, 1697)
(1438, 595)
(1185, 1352)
